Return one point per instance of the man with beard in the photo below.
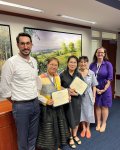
(19, 81)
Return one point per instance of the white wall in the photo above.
(17, 25)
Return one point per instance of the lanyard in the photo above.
(52, 81)
(98, 68)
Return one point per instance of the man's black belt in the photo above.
(25, 101)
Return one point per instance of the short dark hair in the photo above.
(23, 34)
(85, 58)
(51, 59)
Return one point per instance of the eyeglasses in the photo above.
(23, 44)
(100, 53)
(53, 65)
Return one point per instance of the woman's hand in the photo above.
(100, 91)
(105, 88)
(72, 92)
(50, 102)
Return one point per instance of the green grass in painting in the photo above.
(62, 57)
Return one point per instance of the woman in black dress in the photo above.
(72, 110)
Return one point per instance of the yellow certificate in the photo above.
(60, 97)
(79, 85)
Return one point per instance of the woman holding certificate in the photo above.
(72, 110)
(88, 98)
(104, 73)
(53, 130)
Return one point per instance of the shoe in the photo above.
(98, 128)
(103, 127)
(73, 146)
(88, 134)
(83, 133)
(77, 141)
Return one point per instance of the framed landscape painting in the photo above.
(5, 44)
(47, 43)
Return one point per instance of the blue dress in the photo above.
(105, 73)
(87, 105)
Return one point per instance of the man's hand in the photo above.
(9, 98)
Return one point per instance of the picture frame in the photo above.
(5, 46)
(48, 43)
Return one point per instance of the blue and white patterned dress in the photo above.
(87, 105)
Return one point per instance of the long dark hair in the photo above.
(72, 56)
(105, 57)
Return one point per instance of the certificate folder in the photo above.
(60, 97)
(79, 85)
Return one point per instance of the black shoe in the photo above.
(77, 141)
(73, 146)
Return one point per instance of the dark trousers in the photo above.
(26, 115)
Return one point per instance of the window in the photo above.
(95, 45)
(106, 35)
(95, 34)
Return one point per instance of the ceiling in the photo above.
(105, 16)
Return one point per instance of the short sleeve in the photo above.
(110, 71)
(94, 80)
(91, 66)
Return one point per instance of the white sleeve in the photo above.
(6, 78)
(42, 99)
(39, 83)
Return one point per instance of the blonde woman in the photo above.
(103, 70)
